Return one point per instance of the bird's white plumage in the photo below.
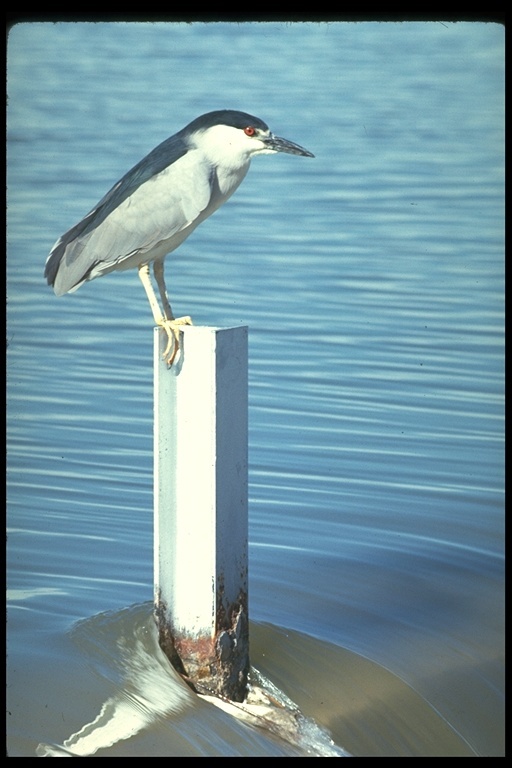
(154, 220)
(159, 202)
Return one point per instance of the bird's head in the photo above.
(236, 136)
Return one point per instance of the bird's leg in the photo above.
(150, 293)
(158, 269)
(168, 321)
(171, 324)
(159, 317)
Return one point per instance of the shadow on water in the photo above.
(138, 705)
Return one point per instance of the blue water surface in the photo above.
(372, 281)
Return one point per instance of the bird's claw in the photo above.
(172, 329)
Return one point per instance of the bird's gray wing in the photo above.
(163, 207)
(152, 204)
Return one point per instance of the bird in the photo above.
(157, 204)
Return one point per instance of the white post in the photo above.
(200, 500)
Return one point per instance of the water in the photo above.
(371, 279)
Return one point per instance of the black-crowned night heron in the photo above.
(157, 205)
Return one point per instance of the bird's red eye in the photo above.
(250, 130)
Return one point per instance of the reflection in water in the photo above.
(150, 690)
(358, 700)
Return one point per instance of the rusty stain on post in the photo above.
(217, 665)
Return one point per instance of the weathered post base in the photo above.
(215, 666)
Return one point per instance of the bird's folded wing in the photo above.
(153, 220)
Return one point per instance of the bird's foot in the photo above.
(172, 329)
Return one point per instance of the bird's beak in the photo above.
(277, 144)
